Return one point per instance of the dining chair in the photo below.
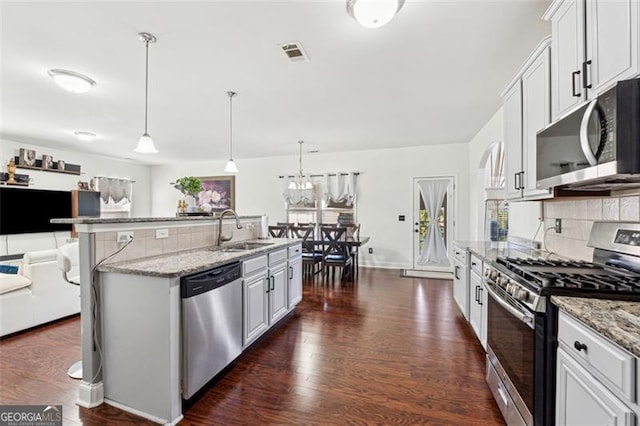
(335, 251)
(278, 231)
(310, 258)
(353, 232)
(288, 225)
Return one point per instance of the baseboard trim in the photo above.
(90, 395)
(412, 273)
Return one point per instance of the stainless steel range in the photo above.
(522, 322)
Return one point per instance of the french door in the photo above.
(433, 223)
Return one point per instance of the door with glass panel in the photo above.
(433, 223)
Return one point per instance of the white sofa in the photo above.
(45, 296)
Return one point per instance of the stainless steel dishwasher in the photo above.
(211, 324)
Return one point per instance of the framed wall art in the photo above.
(218, 194)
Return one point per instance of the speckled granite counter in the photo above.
(192, 261)
(490, 251)
(101, 220)
(617, 320)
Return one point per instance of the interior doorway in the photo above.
(433, 214)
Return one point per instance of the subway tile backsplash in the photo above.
(578, 216)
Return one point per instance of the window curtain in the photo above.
(115, 193)
(434, 249)
(341, 188)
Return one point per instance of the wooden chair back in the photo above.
(334, 241)
(278, 231)
(305, 233)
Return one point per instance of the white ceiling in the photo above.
(431, 76)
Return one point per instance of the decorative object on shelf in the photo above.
(145, 144)
(67, 168)
(27, 157)
(373, 13)
(83, 186)
(231, 166)
(60, 165)
(47, 161)
(72, 81)
(218, 194)
(11, 170)
(92, 185)
(182, 206)
(190, 188)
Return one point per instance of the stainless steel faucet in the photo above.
(223, 238)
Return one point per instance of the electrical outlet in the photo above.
(370, 250)
(162, 233)
(558, 226)
(124, 236)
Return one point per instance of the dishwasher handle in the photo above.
(203, 282)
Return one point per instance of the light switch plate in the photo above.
(162, 233)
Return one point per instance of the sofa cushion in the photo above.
(8, 269)
(11, 282)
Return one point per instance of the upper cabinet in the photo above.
(595, 44)
(527, 110)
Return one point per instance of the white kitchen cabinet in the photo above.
(277, 292)
(477, 306)
(255, 301)
(596, 380)
(582, 400)
(295, 275)
(526, 109)
(595, 44)
(461, 280)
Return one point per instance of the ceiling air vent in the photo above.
(294, 51)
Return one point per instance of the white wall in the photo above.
(385, 190)
(91, 166)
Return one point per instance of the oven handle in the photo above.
(523, 316)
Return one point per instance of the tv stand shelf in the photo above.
(70, 169)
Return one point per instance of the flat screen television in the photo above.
(25, 211)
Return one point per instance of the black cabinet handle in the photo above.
(580, 346)
(480, 295)
(573, 83)
(477, 288)
(585, 82)
(417, 231)
(273, 283)
(291, 272)
(455, 272)
(268, 284)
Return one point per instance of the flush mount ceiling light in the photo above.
(231, 165)
(145, 144)
(301, 181)
(71, 81)
(85, 136)
(373, 13)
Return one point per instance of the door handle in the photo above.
(573, 84)
(515, 180)
(522, 180)
(584, 133)
(585, 83)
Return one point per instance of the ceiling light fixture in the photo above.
(231, 165)
(301, 182)
(145, 144)
(85, 136)
(71, 81)
(373, 13)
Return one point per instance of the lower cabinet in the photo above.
(461, 286)
(295, 281)
(277, 291)
(477, 308)
(255, 301)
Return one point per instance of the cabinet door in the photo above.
(567, 50)
(278, 293)
(475, 307)
(255, 301)
(295, 282)
(461, 288)
(612, 42)
(513, 140)
(582, 400)
(483, 321)
(536, 114)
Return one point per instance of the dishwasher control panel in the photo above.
(202, 282)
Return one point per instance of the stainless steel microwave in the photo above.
(595, 147)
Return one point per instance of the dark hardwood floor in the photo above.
(385, 350)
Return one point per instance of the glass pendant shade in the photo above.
(373, 13)
(231, 167)
(146, 145)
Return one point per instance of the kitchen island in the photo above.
(131, 313)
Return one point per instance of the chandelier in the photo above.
(301, 182)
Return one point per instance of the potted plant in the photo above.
(190, 187)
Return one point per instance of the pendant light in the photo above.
(145, 144)
(231, 165)
(301, 182)
(373, 13)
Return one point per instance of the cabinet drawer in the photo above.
(295, 251)
(460, 254)
(476, 265)
(612, 364)
(277, 256)
(253, 265)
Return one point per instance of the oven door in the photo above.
(511, 347)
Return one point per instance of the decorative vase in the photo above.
(191, 203)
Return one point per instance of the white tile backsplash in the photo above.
(630, 208)
(611, 209)
(594, 209)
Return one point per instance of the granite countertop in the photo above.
(94, 220)
(617, 320)
(192, 261)
(491, 250)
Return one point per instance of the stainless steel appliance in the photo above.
(211, 324)
(596, 146)
(522, 322)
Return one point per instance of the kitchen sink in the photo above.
(244, 246)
